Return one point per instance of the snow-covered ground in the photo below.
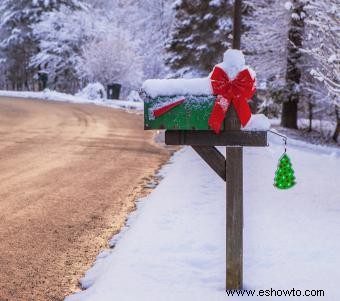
(173, 247)
(57, 96)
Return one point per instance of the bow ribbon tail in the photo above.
(242, 110)
(217, 115)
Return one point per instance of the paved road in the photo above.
(68, 178)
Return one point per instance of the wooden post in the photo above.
(234, 174)
(234, 207)
(234, 185)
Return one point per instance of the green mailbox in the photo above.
(190, 112)
(177, 104)
(201, 103)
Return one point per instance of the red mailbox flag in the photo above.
(162, 110)
(237, 91)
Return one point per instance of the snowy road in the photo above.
(69, 174)
(174, 247)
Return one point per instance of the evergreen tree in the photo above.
(200, 35)
(18, 43)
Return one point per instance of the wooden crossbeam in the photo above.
(213, 158)
(209, 138)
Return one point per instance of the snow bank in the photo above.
(57, 96)
(174, 246)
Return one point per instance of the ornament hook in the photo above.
(283, 137)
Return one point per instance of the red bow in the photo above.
(237, 92)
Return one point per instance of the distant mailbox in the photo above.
(43, 79)
(113, 91)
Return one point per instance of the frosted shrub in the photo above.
(93, 91)
(134, 96)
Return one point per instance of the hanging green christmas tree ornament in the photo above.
(284, 176)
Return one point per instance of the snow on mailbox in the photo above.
(200, 104)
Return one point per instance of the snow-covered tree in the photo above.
(86, 45)
(200, 35)
(157, 17)
(112, 59)
(321, 48)
(265, 40)
(18, 42)
(149, 23)
(62, 35)
(53, 33)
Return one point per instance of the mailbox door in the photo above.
(192, 114)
